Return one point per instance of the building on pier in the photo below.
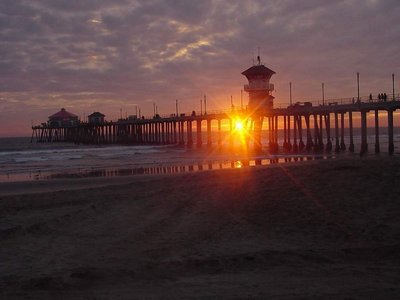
(261, 101)
(96, 118)
(63, 118)
(259, 88)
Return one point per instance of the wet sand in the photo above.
(309, 230)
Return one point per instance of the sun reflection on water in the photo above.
(238, 164)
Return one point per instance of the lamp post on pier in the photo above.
(205, 104)
(358, 87)
(176, 106)
(290, 92)
(241, 99)
(393, 85)
(323, 94)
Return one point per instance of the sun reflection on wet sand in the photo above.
(157, 170)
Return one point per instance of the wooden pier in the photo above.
(317, 136)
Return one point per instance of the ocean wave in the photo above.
(29, 159)
(86, 149)
(41, 158)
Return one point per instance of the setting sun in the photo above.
(239, 125)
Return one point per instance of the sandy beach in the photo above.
(308, 230)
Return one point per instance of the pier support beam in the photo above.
(390, 131)
(328, 132)
(143, 133)
(364, 144)
(317, 134)
(209, 139)
(337, 145)
(189, 134)
(219, 132)
(295, 146)
(257, 133)
(198, 129)
(300, 127)
(309, 143)
(289, 143)
(276, 132)
(181, 133)
(175, 133)
(163, 133)
(273, 128)
(284, 133)
(169, 126)
(269, 133)
(377, 146)
(351, 146)
(151, 133)
(272, 134)
(231, 138)
(153, 130)
(342, 144)
(321, 133)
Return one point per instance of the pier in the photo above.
(317, 136)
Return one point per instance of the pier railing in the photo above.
(341, 101)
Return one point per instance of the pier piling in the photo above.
(364, 144)
(377, 146)
(390, 131)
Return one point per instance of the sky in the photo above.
(113, 55)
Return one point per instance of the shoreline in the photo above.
(187, 164)
(78, 179)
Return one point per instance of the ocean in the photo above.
(21, 160)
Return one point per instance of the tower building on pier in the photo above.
(261, 101)
(259, 88)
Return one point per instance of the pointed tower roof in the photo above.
(258, 70)
(63, 114)
(96, 114)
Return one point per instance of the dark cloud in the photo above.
(107, 53)
(80, 6)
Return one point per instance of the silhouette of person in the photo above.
(379, 96)
(370, 97)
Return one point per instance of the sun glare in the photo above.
(239, 133)
(239, 125)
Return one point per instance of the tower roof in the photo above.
(63, 114)
(96, 114)
(258, 70)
